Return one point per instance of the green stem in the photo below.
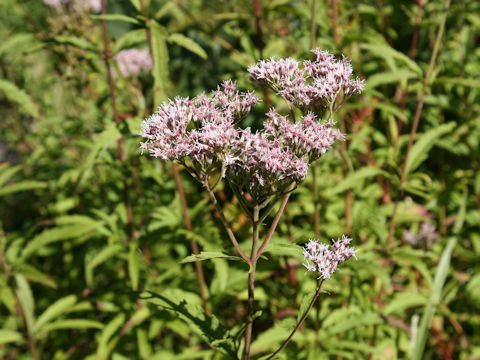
(310, 306)
(251, 283)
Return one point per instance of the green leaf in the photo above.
(78, 42)
(133, 264)
(422, 146)
(385, 51)
(34, 275)
(307, 299)
(104, 343)
(72, 324)
(53, 311)
(130, 39)
(205, 255)
(206, 327)
(438, 283)
(8, 336)
(24, 293)
(400, 76)
(116, 17)
(14, 94)
(403, 301)
(282, 247)
(160, 62)
(22, 186)
(106, 253)
(7, 172)
(354, 179)
(188, 44)
(59, 233)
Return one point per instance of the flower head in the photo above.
(314, 87)
(133, 61)
(324, 259)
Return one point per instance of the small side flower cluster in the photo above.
(427, 236)
(315, 87)
(324, 259)
(133, 61)
(79, 6)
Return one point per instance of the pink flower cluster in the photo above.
(132, 61)
(326, 258)
(307, 138)
(203, 133)
(262, 165)
(201, 129)
(314, 87)
(79, 6)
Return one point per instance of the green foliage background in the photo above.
(75, 285)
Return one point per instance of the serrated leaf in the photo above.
(116, 17)
(53, 311)
(103, 255)
(19, 96)
(9, 336)
(160, 62)
(22, 186)
(422, 146)
(307, 299)
(56, 234)
(402, 302)
(34, 275)
(188, 44)
(133, 265)
(353, 179)
(25, 296)
(109, 330)
(206, 255)
(78, 42)
(399, 76)
(206, 327)
(73, 324)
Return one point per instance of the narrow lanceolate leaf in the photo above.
(24, 293)
(56, 234)
(188, 44)
(34, 275)
(423, 145)
(78, 42)
(206, 327)
(104, 342)
(205, 255)
(102, 256)
(160, 62)
(438, 283)
(9, 336)
(116, 17)
(22, 186)
(74, 324)
(353, 179)
(55, 310)
(133, 266)
(10, 91)
(307, 299)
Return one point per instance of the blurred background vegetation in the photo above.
(84, 227)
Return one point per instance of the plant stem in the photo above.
(416, 121)
(310, 306)
(316, 215)
(251, 283)
(275, 221)
(336, 38)
(193, 243)
(121, 156)
(227, 226)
